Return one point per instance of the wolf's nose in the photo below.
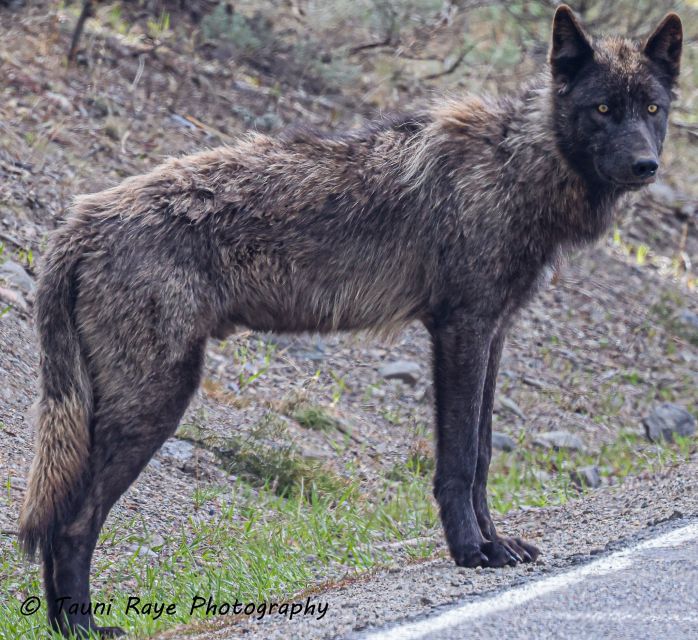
(645, 167)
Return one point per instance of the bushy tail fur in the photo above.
(65, 402)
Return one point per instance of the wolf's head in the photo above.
(611, 99)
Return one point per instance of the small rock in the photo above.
(688, 317)
(502, 441)
(15, 274)
(541, 476)
(409, 372)
(534, 382)
(586, 477)
(14, 299)
(508, 403)
(267, 122)
(666, 420)
(559, 440)
(156, 541)
(180, 452)
(141, 551)
(60, 100)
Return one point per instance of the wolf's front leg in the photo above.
(461, 356)
(522, 550)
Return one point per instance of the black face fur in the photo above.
(612, 101)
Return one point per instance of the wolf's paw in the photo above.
(524, 551)
(486, 554)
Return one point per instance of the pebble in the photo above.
(141, 551)
(508, 403)
(405, 370)
(586, 477)
(12, 298)
(180, 452)
(688, 317)
(17, 275)
(559, 440)
(502, 441)
(666, 420)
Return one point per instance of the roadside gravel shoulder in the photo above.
(568, 535)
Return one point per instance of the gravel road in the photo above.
(580, 532)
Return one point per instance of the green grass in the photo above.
(313, 417)
(256, 549)
(516, 479)
(265, 456)
(266, 543)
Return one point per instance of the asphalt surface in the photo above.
(649, 590)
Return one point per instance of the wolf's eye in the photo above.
(602, 108)
(652, 108)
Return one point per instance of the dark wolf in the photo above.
(449, 216)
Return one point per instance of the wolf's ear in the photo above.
(664, 45)
(570, 48)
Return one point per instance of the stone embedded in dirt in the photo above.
(502, 441)
(12, 298)
(667, 420)
(180, 452)
(689, 318)
(409, 372)
(508, 403)
(559, 440)
(586, 477)
(141, 551)
(534, 382)
(60, 101)
(14, 273)
(541, 475)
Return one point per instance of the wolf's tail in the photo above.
(65, 403)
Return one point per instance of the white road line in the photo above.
(519, 595)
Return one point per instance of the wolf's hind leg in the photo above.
(129, 425)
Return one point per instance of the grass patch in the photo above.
(539, 477)
(420, 462)
(279, 529)
(266, 456)
(261, 547)
(315, 418)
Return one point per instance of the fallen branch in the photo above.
(386, 42)
(451, 67)
(84, 15)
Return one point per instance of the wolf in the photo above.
(448, 216)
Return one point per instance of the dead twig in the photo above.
(386, 42)
(87, 12)
(453, 66)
